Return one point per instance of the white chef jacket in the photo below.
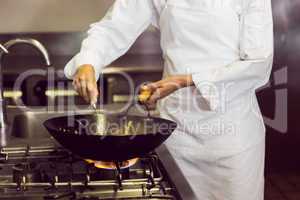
(227, 46)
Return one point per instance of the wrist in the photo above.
(86, 67)
(186, 81)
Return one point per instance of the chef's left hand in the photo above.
(165, 87)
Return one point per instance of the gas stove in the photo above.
(52, 172)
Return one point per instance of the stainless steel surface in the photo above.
(2, 104)
(64, 174)
(3, 48)
(132, 69)
(8, 45)
(28, 123)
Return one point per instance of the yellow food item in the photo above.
(144, 95)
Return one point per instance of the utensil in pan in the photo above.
(115, 138)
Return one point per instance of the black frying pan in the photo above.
(110, 137)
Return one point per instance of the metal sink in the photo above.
(28, 122)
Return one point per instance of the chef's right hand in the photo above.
(85, 83)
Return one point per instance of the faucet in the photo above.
(3, 48)
(39, 46)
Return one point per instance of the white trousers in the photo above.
(236, 177)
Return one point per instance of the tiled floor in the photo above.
(282, 186)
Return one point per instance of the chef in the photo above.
(216, 54)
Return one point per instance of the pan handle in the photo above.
(134, 102)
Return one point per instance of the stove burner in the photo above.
(55, 173)
(112, 165)
(119, 170)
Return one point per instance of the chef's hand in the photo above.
(85, 83)
(163, 88)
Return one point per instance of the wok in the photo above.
(113, 138)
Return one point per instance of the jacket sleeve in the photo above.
(253, 69)
(113, 35)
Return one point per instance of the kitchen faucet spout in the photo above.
(39, 46)
(35, 43)
(3, 48)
